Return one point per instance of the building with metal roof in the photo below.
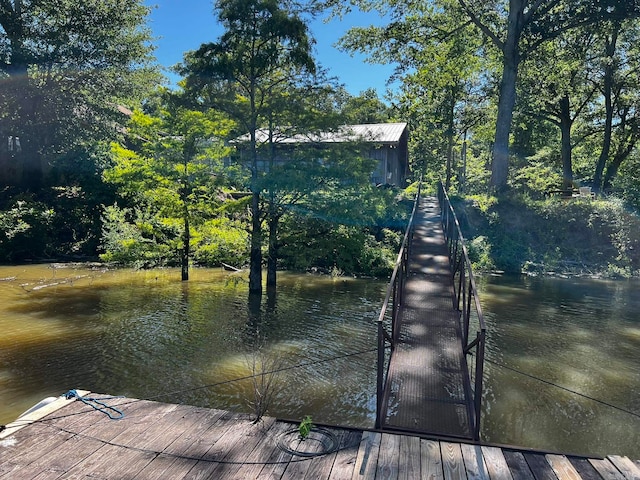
(385, 142)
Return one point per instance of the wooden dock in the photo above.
(70, 440)
(428, 388)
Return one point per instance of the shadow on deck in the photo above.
(428, 386)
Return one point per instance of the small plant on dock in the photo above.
(305, 427)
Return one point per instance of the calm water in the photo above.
(145, 334)
(581, 335)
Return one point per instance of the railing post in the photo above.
(467, 308)
(380, 379)
(464, 295)
(479, 381)
(394, 308)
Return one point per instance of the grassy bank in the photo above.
(514, 233)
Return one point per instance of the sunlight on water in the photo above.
(145, 334)
(564, 364)
(561, 352)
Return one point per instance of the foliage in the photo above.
(245, 74)
(171, 178)
(364, 108)
(221, 240)
(479, 251)
(25, 230)
(304, 429)
(130, 237)
(518, 234)
(538, 177)
(66, 69)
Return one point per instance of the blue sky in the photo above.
(182, 25)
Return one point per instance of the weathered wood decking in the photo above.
(428, 384)
(166, 441)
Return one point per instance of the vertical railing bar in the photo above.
(394, 294)
(467, 293)
(380, 379)
(478, 382)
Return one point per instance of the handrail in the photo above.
(395, 291)
(465, 290)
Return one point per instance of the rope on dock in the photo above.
(97, 404)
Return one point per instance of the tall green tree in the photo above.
(556, 87)
(614, 74)
(262, 47)
(366, 107)
(66, 67)
(517, 30)
(438, 63)
(170, 168)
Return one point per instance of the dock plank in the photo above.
(452, 461)
(170, 463)
(346, 457)
(431, 460)
(322, 465)
(114, 456)
(540, 466)
(606, 469)
(275, 465)
(409, 461)
(229, 450)
(474, 462)
(496, 464)
(518, 465)
(388, 457)
(562, 467)
(367, 458)
(629, 469)
(584, 468)
(262, 454)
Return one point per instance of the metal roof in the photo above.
(387, 133)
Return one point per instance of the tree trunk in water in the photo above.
(566, 150)
(184, 261)
(272, 257)
(255, 255)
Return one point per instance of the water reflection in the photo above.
(549, 338)
(148, 335)
(145, 334)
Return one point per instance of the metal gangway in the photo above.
(431, 332)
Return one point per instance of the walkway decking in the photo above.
(428, 386)
(165, 441)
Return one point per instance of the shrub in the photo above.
(221, 240)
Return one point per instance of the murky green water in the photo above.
(145, 334)
(564, 364)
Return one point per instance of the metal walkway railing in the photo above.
(425, 383)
